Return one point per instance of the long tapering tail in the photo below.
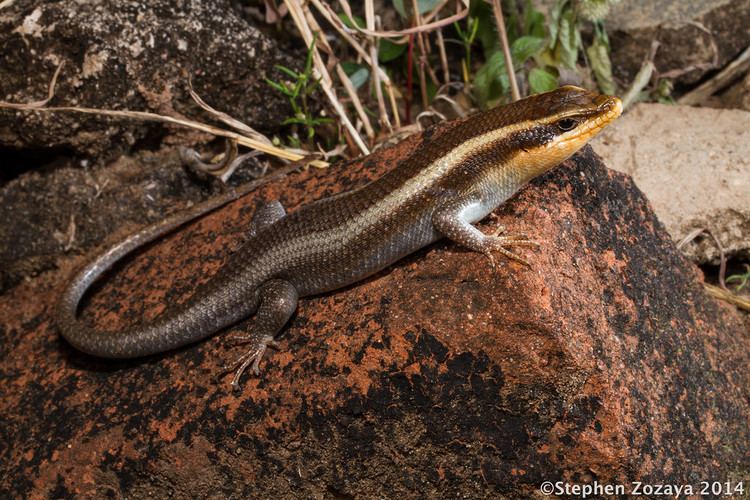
(210, 310)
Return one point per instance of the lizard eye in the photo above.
(567, 124)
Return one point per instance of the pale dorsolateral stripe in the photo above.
(430, 175)
(426, 178)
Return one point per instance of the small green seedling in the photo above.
(297, 91)
(742, 279)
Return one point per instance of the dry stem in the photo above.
(320, 71)
(259, 144)
(500, 22)
(333, 19)
(370, 20)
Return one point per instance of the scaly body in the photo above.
(440, 190)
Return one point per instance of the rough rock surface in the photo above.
(737, 95)
(70, 208)
(130, 54)
(699, 36)
(694, 166)
(437, 378)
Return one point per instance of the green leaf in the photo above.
(494, 66)
(525, 47)
(422, 5)
(289, 72)
(470, 34)
(482, 85)
(389, 51)
(541, 80)
(513, 24)
(555, 14)
(360, 77)
(742, 279)
(312, 86)
(601, 65)
(399, 6)
(473, 29)
(350, 23)
(491, 80)
(297, 87)
(486, 30)
(293, 121)
(309, 59)
(281, 88)
(569, 38)
(357, 73)
(533, 21)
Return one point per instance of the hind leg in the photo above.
(278, 301)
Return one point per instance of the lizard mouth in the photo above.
(606, 112)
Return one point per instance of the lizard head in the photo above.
(559, 123)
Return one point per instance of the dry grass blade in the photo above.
(343, 77)
(727, 296)
(642, 78)
(220, 115)
(720, 292)
(146, 116)
(410, 31)
(722, 256)
(36, 104)
(497, 10)
(422, 56)
(460, 112)
(320, 71)
(330, 16)
(443, 57)
(224, 168)
(428, 113)
(370, 21)
(352, 92)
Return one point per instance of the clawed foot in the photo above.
(496, 243)
(259, 344)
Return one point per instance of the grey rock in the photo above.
(75, 208)
(131, 54)
(695, 37)
(693, 164)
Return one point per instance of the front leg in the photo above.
(453, 219)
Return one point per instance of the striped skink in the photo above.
(440, 190)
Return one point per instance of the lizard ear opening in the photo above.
(567, 124)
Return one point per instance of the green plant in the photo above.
(742, 279)
(567, 17)
(542, 46)
(467, 38)
(491, 84)
(297, 91)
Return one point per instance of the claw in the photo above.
(497, 231)
(240, 339)
(500, 244)
(253, 356)
(514, 256)
(491, 258)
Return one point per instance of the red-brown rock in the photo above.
(605, 361)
